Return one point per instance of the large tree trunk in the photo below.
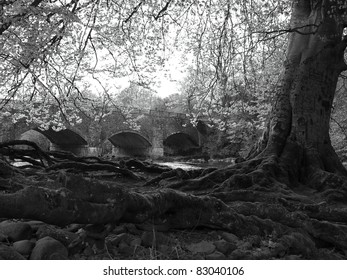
(298, 130)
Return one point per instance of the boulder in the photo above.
(8, 253)
(16, 231)
(35, 225)
(24, 247)
(48, 248)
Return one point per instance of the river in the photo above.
(191, 165)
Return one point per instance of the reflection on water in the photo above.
(196, 165)
(182, 165)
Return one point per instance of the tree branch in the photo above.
(162, 10)
(133, 12)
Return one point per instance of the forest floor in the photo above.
(136, 241)
(128, 240)
(170, 214)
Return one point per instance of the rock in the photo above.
(98, 245)
(216, 256)
(245, 245)
(48, 248)
(298, 244)
(293, 257)
(74, 227)
(240, 254)
(58, 256)
(136, 242)
(77, 245)
(131, 228)
(114, 240)
(16, 230)
(35, 225)
(3, 237)
(125, 249)
(263, 253)
(120, 229)
(24, 247)
(150, 239)
(8, 253)
(63, 236)
(255, 240)
(164, 249)
(227, 236)
(96, 231)
(204, 247)
(88, 251)
(224, 247)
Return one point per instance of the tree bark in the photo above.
(298, 129)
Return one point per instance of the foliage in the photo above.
(236, 66)
(90, 58)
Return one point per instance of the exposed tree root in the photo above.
(252, 198)
(37, 158)
(144, 166)
(12, 152)
(78, 166)
(259, 188)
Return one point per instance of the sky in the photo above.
(168, 79)
(170, 83)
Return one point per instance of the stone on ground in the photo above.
(48, 248)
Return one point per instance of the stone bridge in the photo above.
(158, 133)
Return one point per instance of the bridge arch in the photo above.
(130, 143)
(62, 140)
(180, 143)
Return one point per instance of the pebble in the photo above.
(227, 236)
(205, 247)
(224, 247)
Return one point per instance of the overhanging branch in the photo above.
(162, 11)
(133, 12)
